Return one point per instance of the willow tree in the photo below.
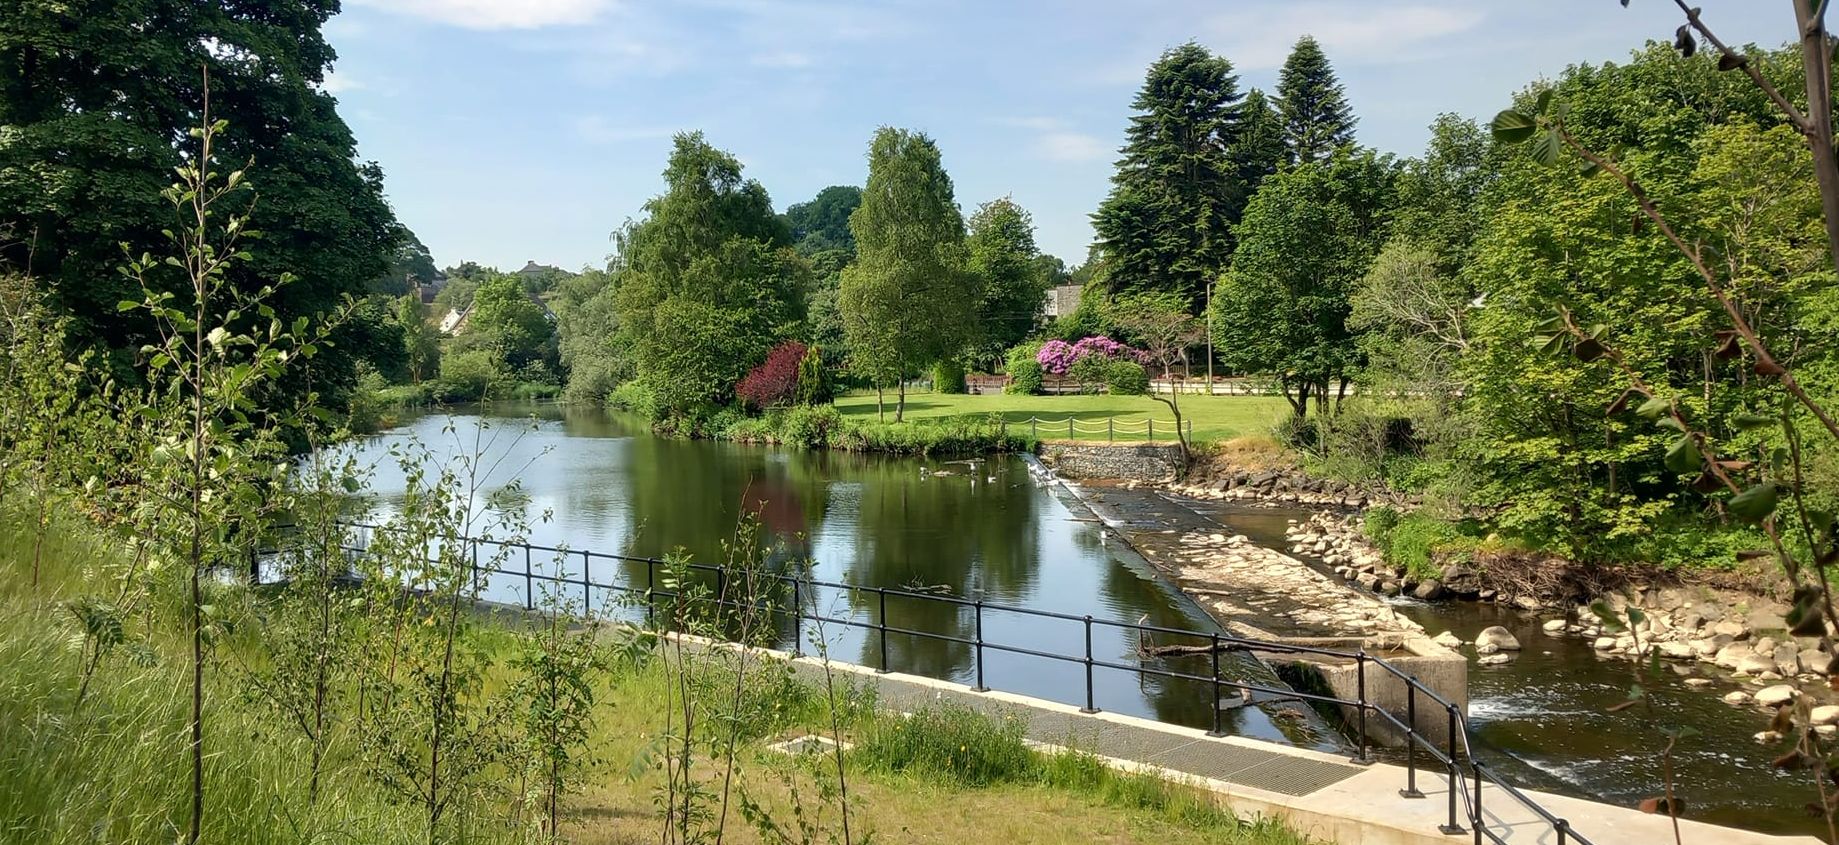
(909, 300)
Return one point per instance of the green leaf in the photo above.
(126, 305)
(1683, 456)
(217, 336)
(1544, 102)
(1751, 422)
(1654, 407)
(1755, 504)
(1512, 127)
(1545, 148)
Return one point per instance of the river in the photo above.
(993, 529)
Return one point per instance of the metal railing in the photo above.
(1110, 427)
(1466, 774)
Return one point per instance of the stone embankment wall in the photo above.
(1288, 486)
(1125, 461)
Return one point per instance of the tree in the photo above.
(97, 100)
(707, 284)
(411, 266)
(587, 326)
(909, 300)
(1440, 193)
(420, 338)
(1004, 257)
(1316, 117)
(1259, 148)
(505, 319)
(1160, 325)
(823, 324)
(823, 223)
(1167, 224)
(1307, 238)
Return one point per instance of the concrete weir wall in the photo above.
(1126, 461)
(1439, 669)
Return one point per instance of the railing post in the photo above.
(1091, 705)
(1070, 434)
(1152, 431)
(1111, 429)
(529, 582)
(651, 602)
(1034, 428)
(587, 583)
(1360, 681)
(1475, 808)
(798, 621)
(1451, 828)
(980, 686)
(1563, 827)
(1411, 741)
(1214, 661)
(883, 625)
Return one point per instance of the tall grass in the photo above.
(116, 769)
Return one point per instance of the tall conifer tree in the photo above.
(1167, 225)
(1258, 149)
(1316, 117)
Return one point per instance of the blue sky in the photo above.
(529, 129)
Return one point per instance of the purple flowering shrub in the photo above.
(1058, 357)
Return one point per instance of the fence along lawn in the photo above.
(1214, 417)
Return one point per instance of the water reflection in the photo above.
(984, 529)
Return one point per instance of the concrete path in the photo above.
(1317, 794)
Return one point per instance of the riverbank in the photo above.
(113, 767)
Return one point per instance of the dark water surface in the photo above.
(990, 529)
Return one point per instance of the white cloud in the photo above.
(1055, 140)
(598, 129)
(1348, 31)
(497, 14)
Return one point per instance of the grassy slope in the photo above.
(1215, 417)
(116, 770)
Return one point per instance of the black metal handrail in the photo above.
(1466, 774)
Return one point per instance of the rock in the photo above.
(1390, 588)
(1689, 620)
(1528, 603)
(1700, 683)
(1499, 637)
(1487, 595)
(1738, 698)
(1730, 655)
(1486, 648)
(1732, 628)
(1676, 651)
(1766, 645)
(1430, 590)
(1825, 714)
(1787, 659)
(1704, 649)
(1755, 664)
(1495, 659)
(1816, 661)
(1826, 731)
(1604, 644)
(1767, 738)
(1553, 627)
(1775, 696)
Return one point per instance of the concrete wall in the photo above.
(1443, 671)
(1129, 461)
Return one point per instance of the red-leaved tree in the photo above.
(775, 381)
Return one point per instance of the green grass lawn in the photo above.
(1214, 417)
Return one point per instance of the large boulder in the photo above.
(1429, 590)
(1500, 638)
(1825, 714)
(1731, 655)
(1775, 696)
(1757, 664)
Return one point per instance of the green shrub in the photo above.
(1379, 523)
(953, 744)
(1417, 539)
(635, 397)
(470, 376)
(948, 376)
(1025, 373)
(808, 427)
(1126, 378)
(814, 383)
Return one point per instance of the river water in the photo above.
(995, 529)
(992, 529)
